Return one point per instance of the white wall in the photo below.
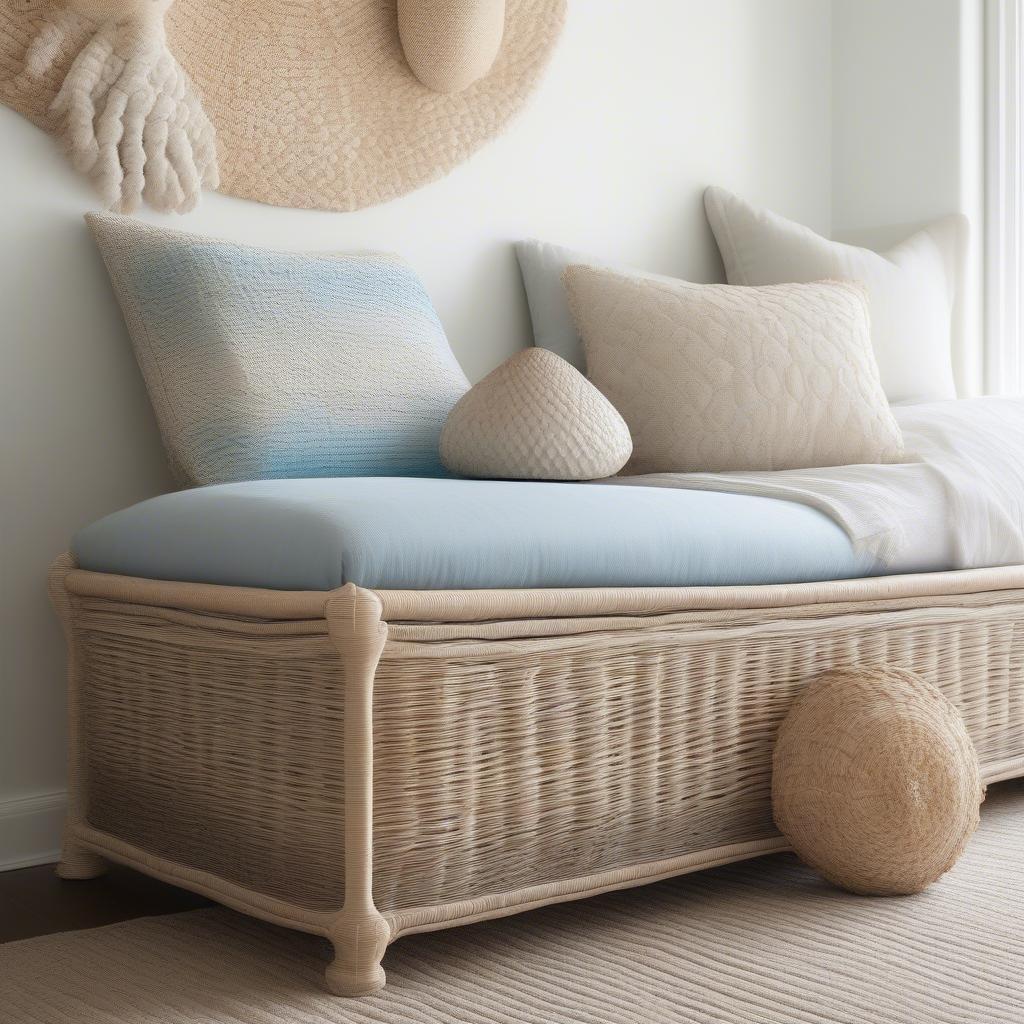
(907, 127)
(645, 103)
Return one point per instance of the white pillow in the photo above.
(912, 288)
(542, 265)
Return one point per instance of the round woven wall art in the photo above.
(875, 781)
(314, 103)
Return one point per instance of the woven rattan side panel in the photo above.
(503, 764)
(217, 744)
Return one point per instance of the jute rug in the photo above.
(762, 942)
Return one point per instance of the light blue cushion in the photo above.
(465, 534)
(265, 364)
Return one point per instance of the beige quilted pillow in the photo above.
(712, 378)
(535, 417)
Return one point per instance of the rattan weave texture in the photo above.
(497, 763)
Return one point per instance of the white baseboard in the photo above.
(30, 829)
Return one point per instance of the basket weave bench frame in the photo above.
(661, 704)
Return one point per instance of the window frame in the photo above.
(1004, 197)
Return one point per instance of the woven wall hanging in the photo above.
(325, 104)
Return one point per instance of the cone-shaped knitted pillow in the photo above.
(875, 781)
(535, 417)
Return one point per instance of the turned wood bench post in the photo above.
(76, 860)
(359, 933)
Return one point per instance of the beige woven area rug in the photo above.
(761, 942)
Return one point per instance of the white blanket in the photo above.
(957, 504)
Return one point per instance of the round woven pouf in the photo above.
(875, 782)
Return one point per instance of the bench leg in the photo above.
(359, 942)
(359, 932)
(76, 862)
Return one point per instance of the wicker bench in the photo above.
(364, 765)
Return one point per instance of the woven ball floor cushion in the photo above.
(875, 782)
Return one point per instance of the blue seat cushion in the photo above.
(438, 534)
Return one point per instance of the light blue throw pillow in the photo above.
(267, 365)
(542, 265)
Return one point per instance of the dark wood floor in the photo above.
(34, 901)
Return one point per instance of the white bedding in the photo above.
(959, 504)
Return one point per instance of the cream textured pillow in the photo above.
(712, 378)
(913, 288)
(535, 417)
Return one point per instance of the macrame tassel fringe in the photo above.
(127, 111)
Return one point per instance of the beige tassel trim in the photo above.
(127, 111)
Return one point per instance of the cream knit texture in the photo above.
(714, 378)
(126, 111)
(449, 44)
(535, 417)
